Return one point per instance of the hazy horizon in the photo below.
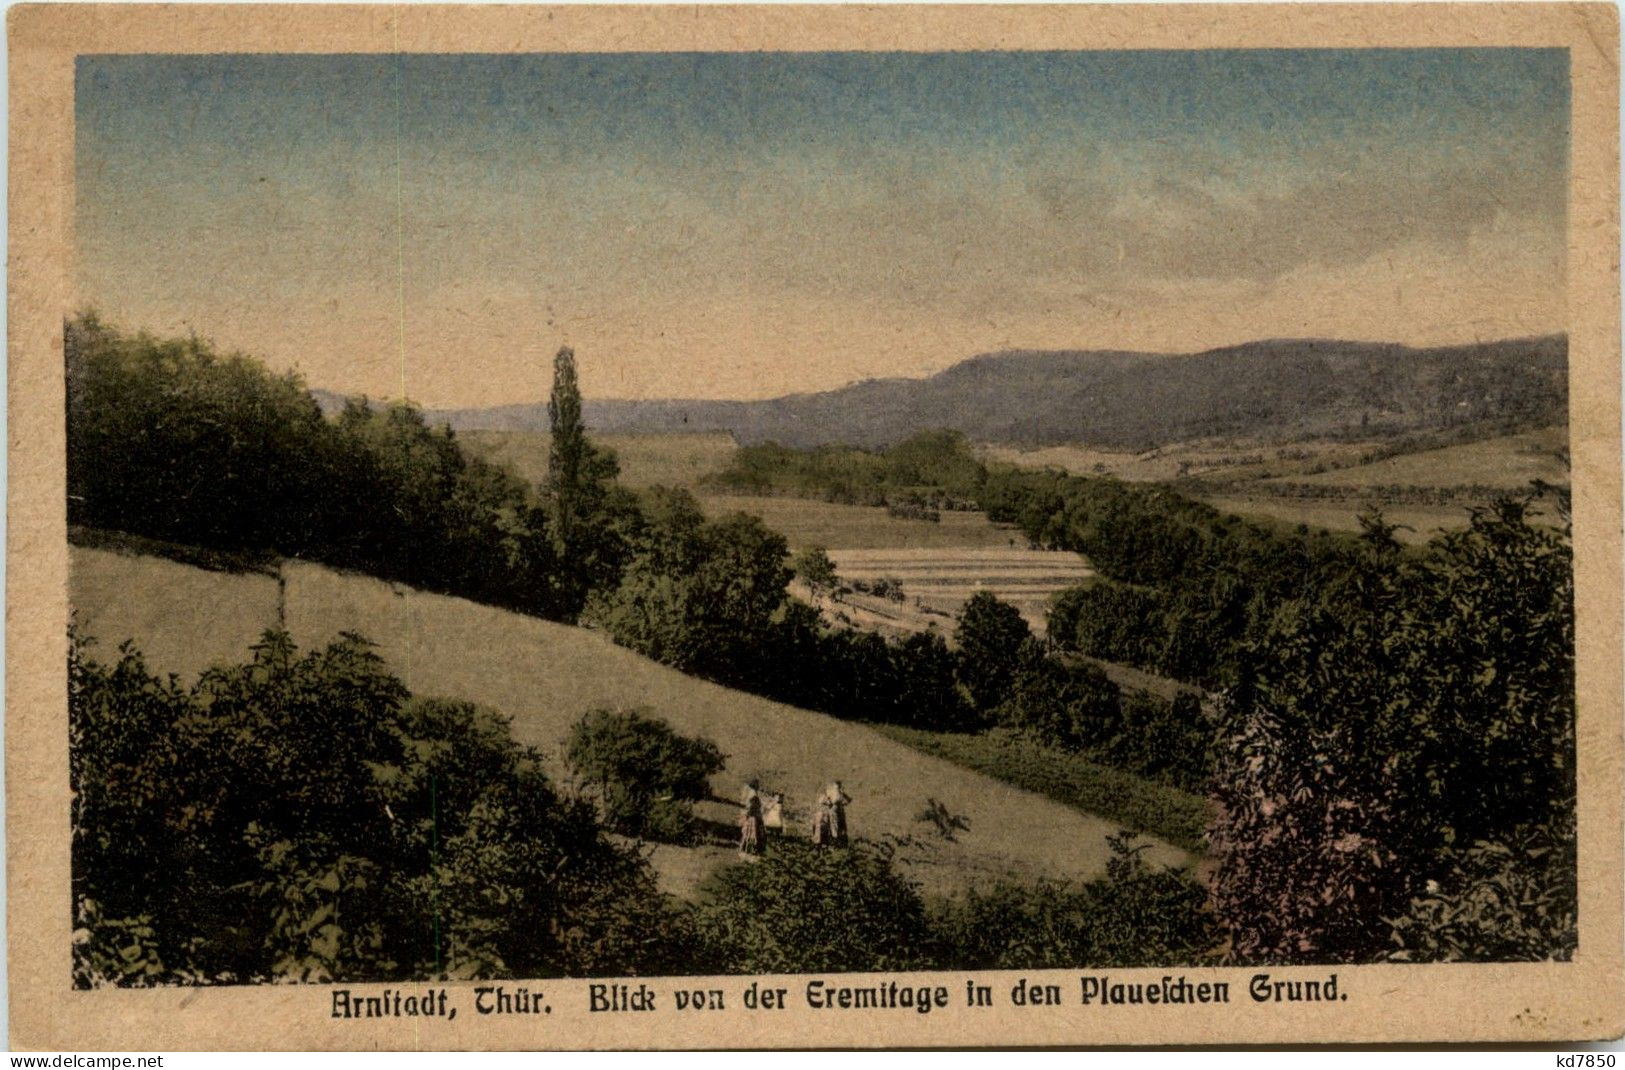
(756, 224)
(542, 397)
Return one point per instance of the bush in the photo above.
(1421, 704)
(1511, 901)
(1134, 916)
(1066, 705)
(912, 506)
(990, 635)
(646, 776)
(887, 587)
(805, 909)
(816, 570)
(299, 818)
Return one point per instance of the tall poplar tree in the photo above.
(567, 460)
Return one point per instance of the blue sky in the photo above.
(743, 224)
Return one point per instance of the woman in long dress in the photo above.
(750, 824)
(837, 805)
(829, 817)
(823, 821)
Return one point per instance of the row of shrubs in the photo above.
(302, 817)
(1148, 805)
(932, 469)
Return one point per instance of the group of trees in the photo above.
(171, 440)
(931, 470)
(1393, 742)
(300, 817)
(1396, 759)
(1391, 748)
(1066, 701)
(1179, 584)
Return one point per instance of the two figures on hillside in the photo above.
(761, 815)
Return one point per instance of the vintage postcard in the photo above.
(580, 527)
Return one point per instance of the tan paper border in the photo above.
(1582, 999)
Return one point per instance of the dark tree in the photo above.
(1383, 729)
(646, 776)
(990, 637)
(588, 517)
(568, 453)
(1068, 705)
(816, 570)
(927, 695)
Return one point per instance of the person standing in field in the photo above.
(773, 816)
(837, 803)
(829, 816)
(750, 823)
(823, 821)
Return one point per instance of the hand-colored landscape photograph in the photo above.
(649, 514)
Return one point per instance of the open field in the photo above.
(1208, 459)
(1504, 460)
(673, 459)
(1328, 484)
(545, 676)
(806, 522)
(1420, 522)
(1132, 801)
(1508, 462)
(943, 580)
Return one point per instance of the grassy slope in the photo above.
(1133, 802)
(1255, 480)
(1508, 462)
(1131, 679)
(546, 675)
(670, 459)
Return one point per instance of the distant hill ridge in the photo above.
(1269, 390)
